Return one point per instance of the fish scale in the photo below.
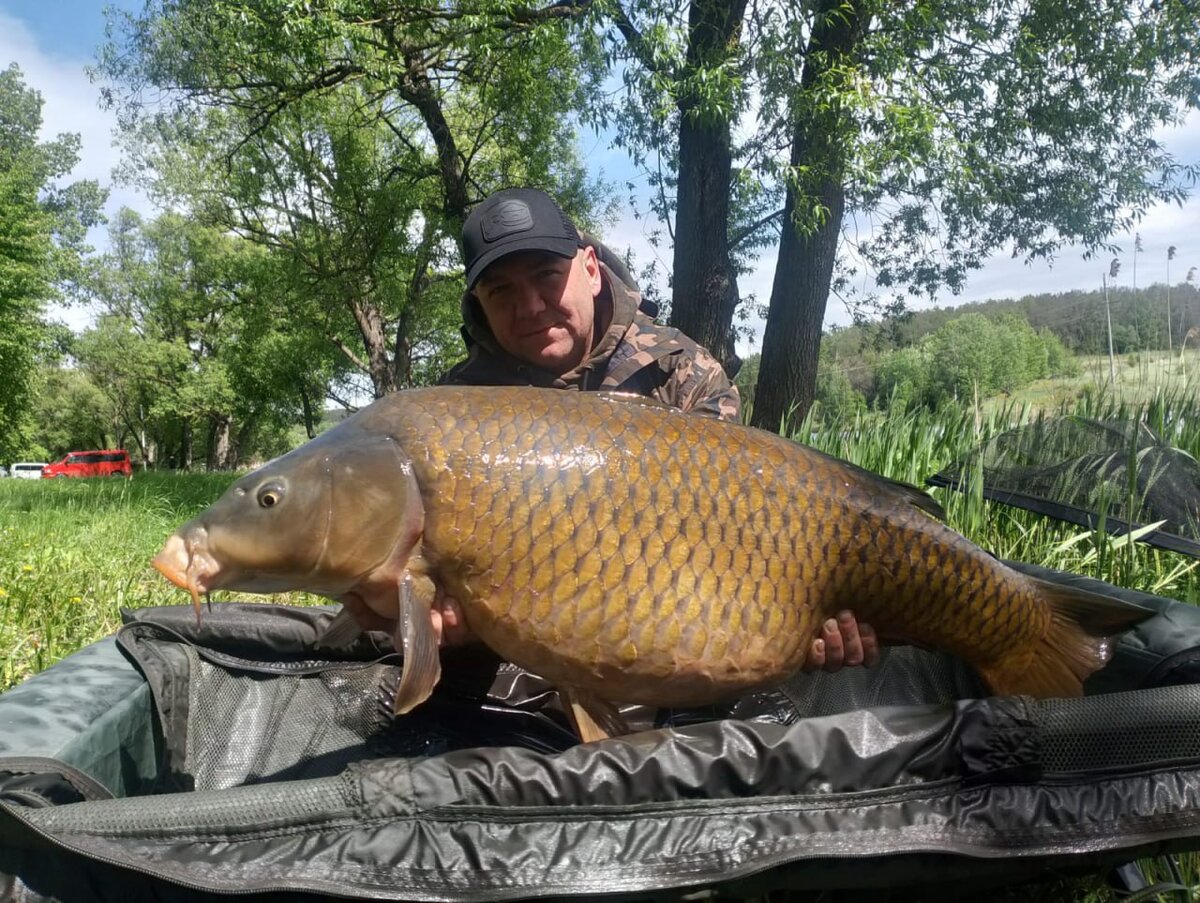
(627, 550)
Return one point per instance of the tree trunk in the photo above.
(242, 438)
(310, 423)
(375, 341)
(185, 446)
(219, 442)
(704, 291)
(402, 355)
(787, 377)
(415, 87)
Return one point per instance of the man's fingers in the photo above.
(816, 657)
(852, 643)
(453, 630)
(843, 642)
(835, 648)
(870, 644)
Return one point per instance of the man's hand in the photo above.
(448, 622)
(843, 642)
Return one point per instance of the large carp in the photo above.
(626, 551)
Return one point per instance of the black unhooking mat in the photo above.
(176, 762)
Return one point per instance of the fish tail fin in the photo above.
(1077, 643)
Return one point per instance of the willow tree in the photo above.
(351, 139)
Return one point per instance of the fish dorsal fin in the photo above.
(906, 492)
(916, 497)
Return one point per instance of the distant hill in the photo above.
(866, 364)
(1139, 320)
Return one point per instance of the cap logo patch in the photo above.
(506, 218)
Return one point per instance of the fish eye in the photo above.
(270, 495)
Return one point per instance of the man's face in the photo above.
(542, 307)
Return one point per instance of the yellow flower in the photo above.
(3, 592)
(76, 598)
(27, 568)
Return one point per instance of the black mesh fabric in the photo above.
(1111, 474)
(276, 728)
(1111, 731)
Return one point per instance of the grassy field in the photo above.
(73, 553)
(1140, 377)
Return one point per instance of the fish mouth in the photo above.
(187, 564)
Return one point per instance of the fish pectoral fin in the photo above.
(341, 631)
(593, 718)
(418, 641)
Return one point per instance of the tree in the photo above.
(351, 141)
(183, 350)
(915, 139)
(954, 129)
(41, 230)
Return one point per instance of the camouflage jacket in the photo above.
(635, 354)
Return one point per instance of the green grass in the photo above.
(74, 552)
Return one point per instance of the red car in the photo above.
(109, 462)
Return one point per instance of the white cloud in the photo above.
(71, 104)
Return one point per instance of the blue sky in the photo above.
(53, 40)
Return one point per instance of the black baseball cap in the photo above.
(512, 220)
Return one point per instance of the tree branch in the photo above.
(635, 42)
(741, 235)
(346, 350)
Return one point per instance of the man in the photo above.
(542, 308)
(546, 306)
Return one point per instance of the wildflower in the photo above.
(76, 599)
(27, 568)
(3, 592)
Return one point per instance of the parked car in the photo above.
(27, 470)
(107, 462)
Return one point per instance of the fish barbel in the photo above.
(626, 551)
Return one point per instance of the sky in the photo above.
(54, 40)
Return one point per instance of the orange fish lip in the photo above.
(171, 572)
(180, 562)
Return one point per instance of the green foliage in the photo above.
(348, 142)
(72, 413)
(188, 354)
(1059, 361)
(902, 379)
(41, 227)
(836, 395)
(968, 357)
